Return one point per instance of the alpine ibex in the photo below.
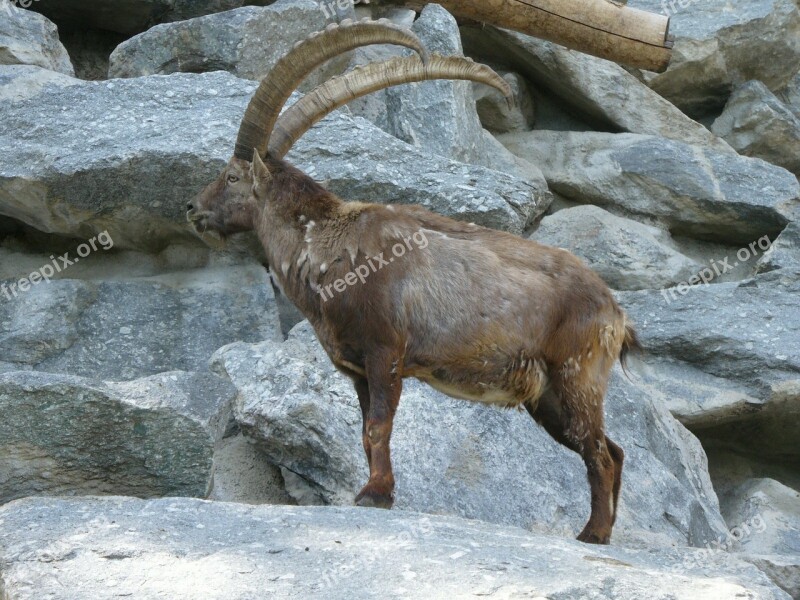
(479, 314)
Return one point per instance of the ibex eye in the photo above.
(232, 179)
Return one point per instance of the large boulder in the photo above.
(767, 514)
(131, 16)
(766, 518)
(28, 38)
(690, 190)
(358, 161)
(124, 156)
(131, 328)
(750, 338)
(721, 43)
(791, 95)
(66, 435)
(756, 123)
(184, 548)
(246, 42)
(305, 416)
(784, 253)
(438, 116)
(697, 399)
(627, 254)
(755, 338)
(600, 91)
(22, 82)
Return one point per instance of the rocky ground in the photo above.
(172, 429)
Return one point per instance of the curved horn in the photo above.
(290, 71)
(363, 80)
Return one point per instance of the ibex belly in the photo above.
(522, 380)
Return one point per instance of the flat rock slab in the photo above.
(95, 549)
(744, 331)
(246, 42)
(68, 435)
(121, 330)
(691, 190)
(127, 155)
(628, 255)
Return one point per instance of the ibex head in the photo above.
(225, 207)
(230, 204)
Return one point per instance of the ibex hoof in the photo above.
(369, 499)
(589, 537)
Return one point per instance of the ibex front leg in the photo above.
(385, 387)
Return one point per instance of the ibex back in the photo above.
(479, 314)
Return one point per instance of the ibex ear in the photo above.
(259, 170)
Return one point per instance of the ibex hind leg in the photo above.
(619, 458)
(574, 418)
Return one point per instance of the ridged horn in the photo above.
(308, 54)
(365, 79)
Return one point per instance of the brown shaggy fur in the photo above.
(479, 314)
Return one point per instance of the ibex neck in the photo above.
(290, 227)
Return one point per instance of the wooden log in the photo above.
(599, 27)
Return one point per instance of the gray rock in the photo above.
(246, 42)
(68, 435)
(690, 190)
(19, 83)
(721, 43)
(784, 253)
(628, 255)
(242, 473)
(494, 112)
(751, 334)
(596, 89)
(130, 16)
(697, 399)
(360, 162)
(438, 116)
(756, 123)
(182, 548)
(765, 515)
(784, 571)
(125, 156)
(746, 333)
(306, 417)
(399, 16)
(133, 328)
(790, 95)
(28, 38)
